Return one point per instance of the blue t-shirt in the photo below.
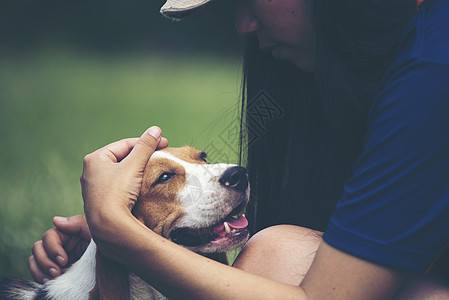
(395, 207)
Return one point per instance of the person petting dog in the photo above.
(361, 154)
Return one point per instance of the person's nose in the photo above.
(246, 22)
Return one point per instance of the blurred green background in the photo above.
(76, 75)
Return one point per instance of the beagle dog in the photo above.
(183, 198)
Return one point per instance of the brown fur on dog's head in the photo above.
(162, 207)
(156, 207)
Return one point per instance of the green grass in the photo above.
(57, 106)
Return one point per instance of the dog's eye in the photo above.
(203, 156)
(166, 176)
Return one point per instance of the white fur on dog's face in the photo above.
(182, 196)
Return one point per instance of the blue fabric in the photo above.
(395, 208)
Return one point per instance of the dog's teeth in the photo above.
(233, 231)
(227, 183)
(227, 228)
(244, 215)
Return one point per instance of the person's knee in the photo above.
(276, 241)
(283, 253)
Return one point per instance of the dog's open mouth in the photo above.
(228, 229)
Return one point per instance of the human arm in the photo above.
(409, 146)
(63, 244)
(180, 273)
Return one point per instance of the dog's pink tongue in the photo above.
(239, 223)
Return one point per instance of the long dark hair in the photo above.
(299, 159)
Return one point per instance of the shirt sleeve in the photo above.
(395, 208)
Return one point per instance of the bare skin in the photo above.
(59, 247)
(268, 254)
(283, 27)
(279, 263)
(273, 248)
(65, 243)
(180, 273)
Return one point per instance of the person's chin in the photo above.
(282, 53)
(305, 65)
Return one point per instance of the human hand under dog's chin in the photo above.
(111, 182)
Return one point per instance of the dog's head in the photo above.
(193, 203)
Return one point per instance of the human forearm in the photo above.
(180, 273)
(111, 182)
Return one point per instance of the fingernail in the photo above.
(45, 280)
(60, 219)
(60, 260)
(53, 272)
(155, 132)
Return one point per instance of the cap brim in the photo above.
(181, 9)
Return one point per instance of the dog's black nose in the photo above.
(235, 178)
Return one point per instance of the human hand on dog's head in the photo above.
(111, 182)
(65, 243)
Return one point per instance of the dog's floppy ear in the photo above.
(112, 280)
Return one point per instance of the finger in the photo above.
(118, 150)
(145, 147)
(75, 248)
(35, 272)
(43, 262)
(162, 144)
(75, 225)
(52, 244)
